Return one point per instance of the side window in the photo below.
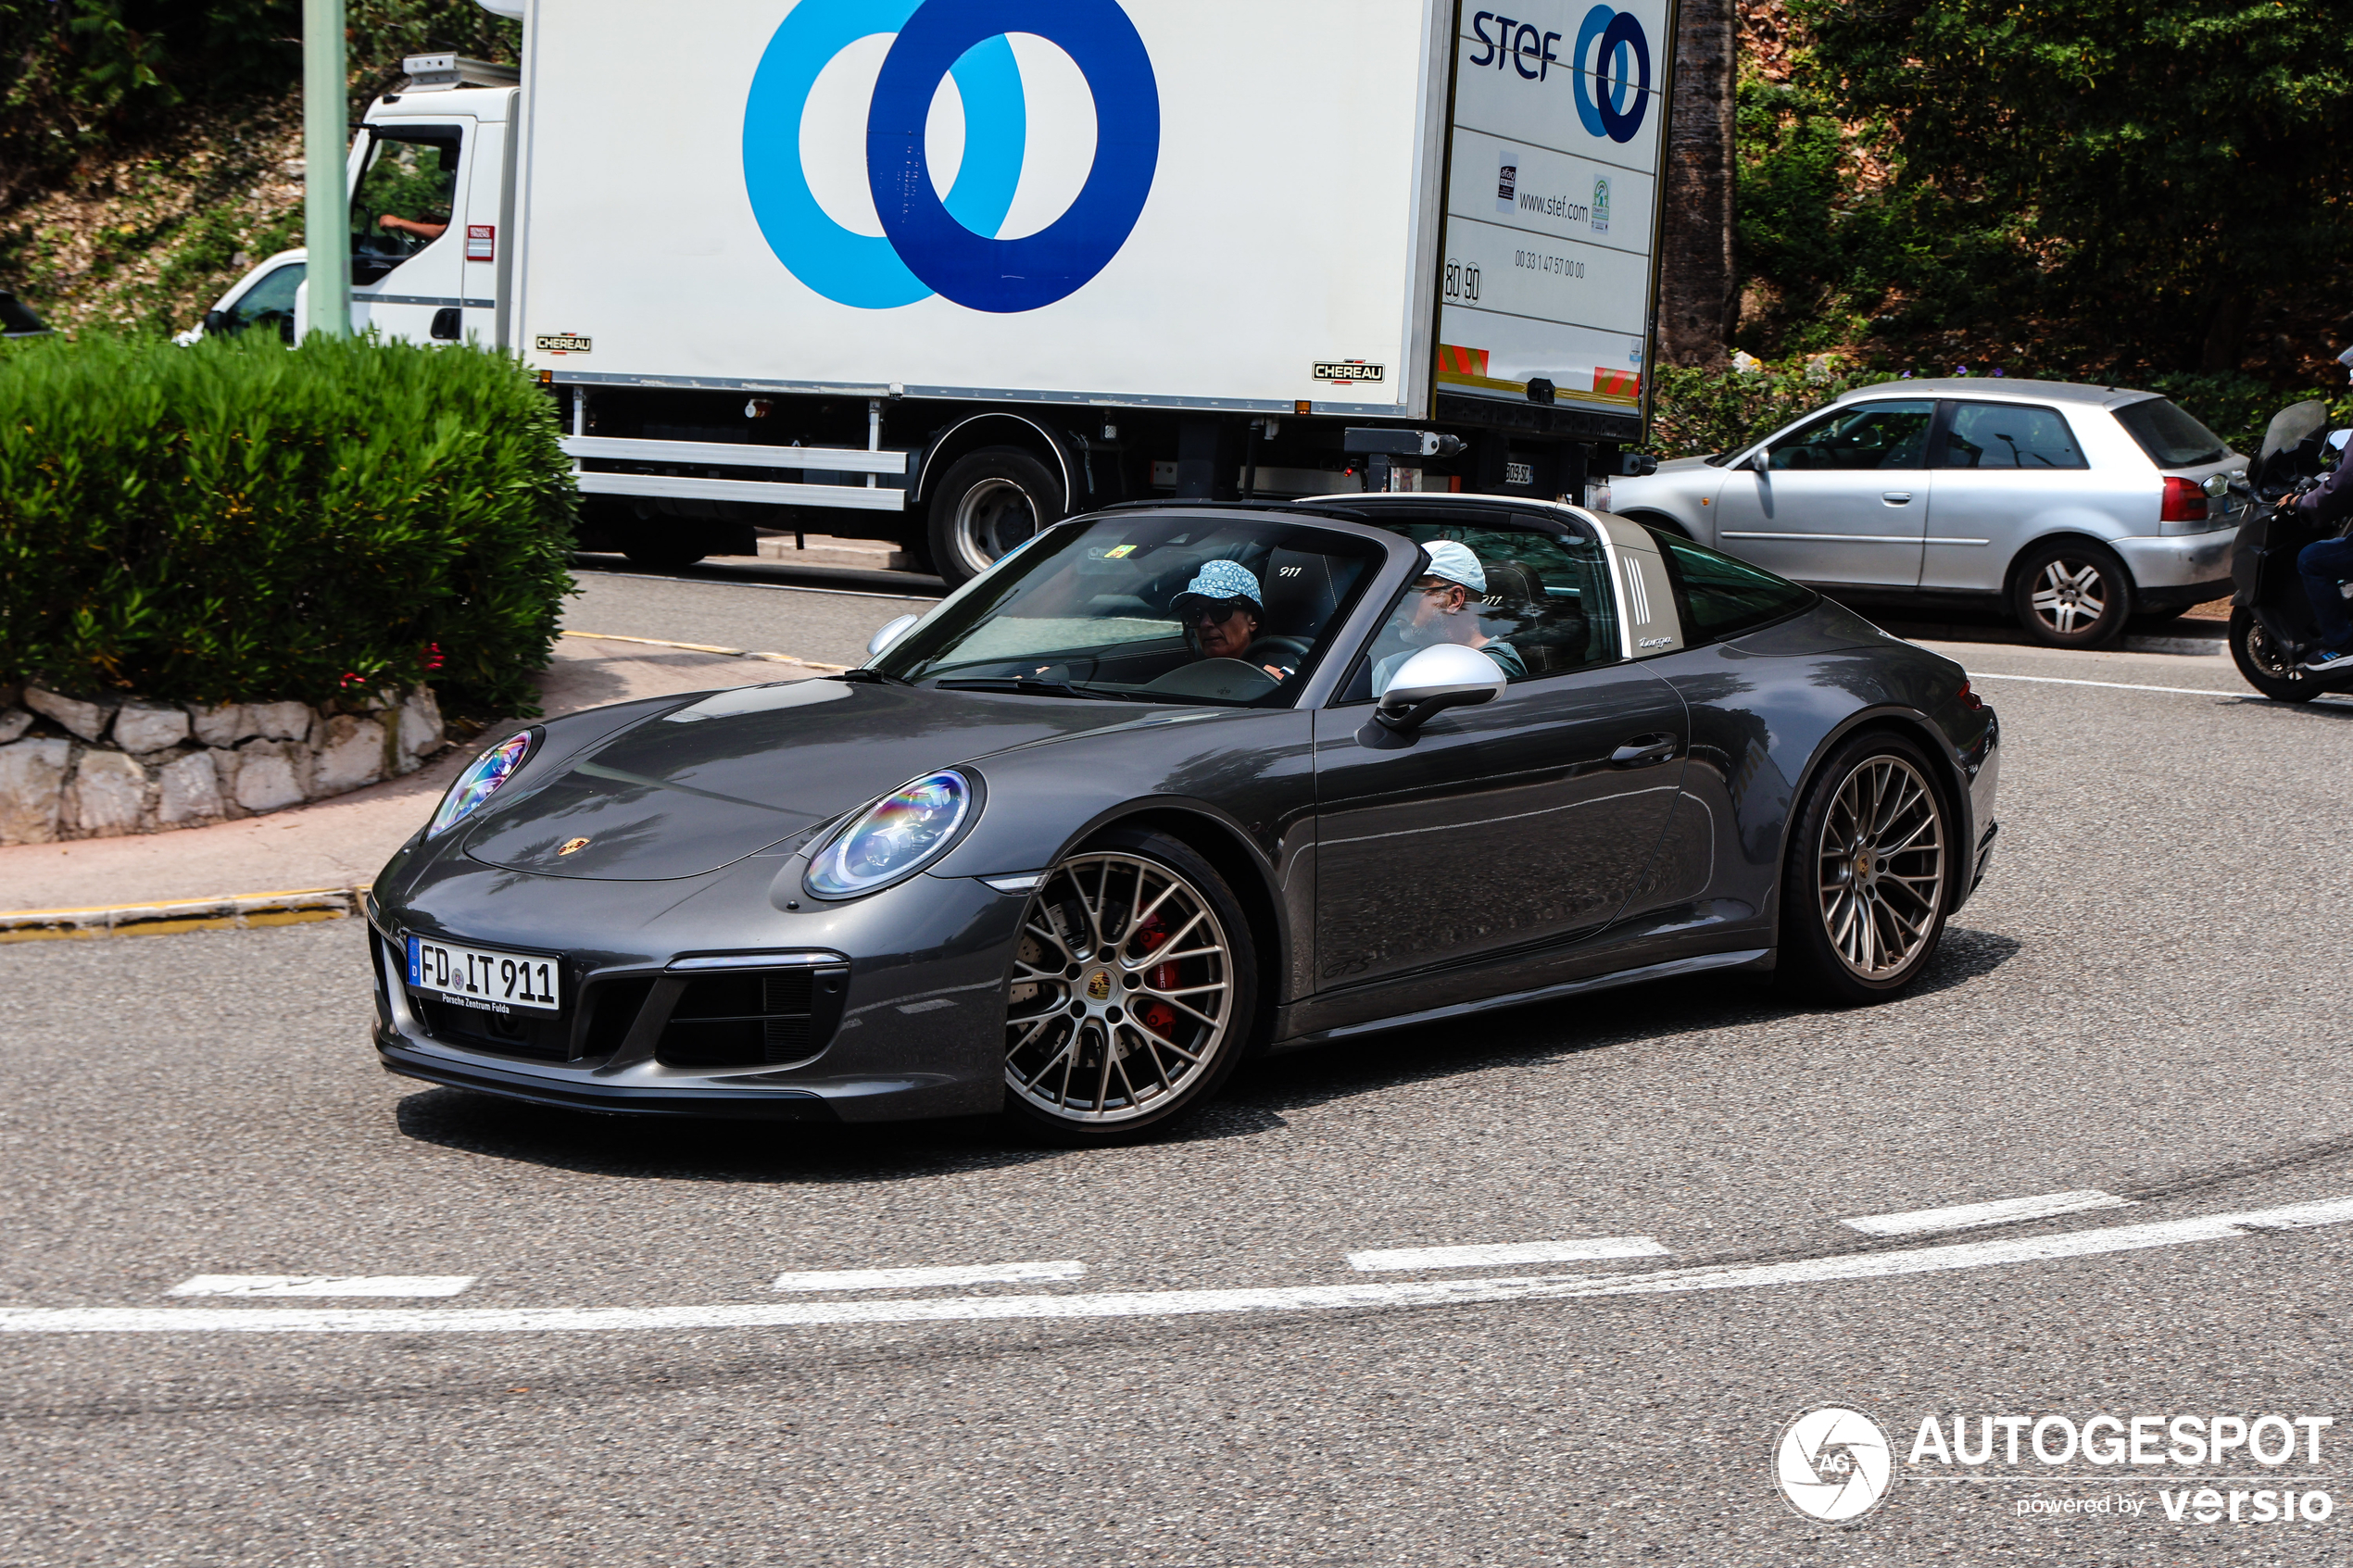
(2009, 435)
(1536, 602)
(1862, 435)
(1721, 598)
(406, 196)
(268, 304)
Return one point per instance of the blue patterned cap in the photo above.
(1222, 580)
(1452, 561)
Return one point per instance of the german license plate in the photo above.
(478, 977)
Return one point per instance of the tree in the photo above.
(2158, 168)
(1696, 292)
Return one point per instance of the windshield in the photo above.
(1149, 609)
(2170, 437)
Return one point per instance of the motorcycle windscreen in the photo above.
(2291, 427)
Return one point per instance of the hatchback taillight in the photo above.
(2184, 501)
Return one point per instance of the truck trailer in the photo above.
(943, 271)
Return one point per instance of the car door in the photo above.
(2003, 472)
(1844, 498)
(409, 232)
(1517, 823)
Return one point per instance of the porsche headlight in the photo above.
(890, 838)
(481, 780)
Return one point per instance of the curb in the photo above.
(231, 911)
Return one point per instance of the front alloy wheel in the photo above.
(1130, 994)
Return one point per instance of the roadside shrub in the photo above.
(238, 522)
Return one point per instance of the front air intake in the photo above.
(754, 1018)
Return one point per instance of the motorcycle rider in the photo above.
(2325, 563)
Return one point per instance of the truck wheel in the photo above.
(989, 502)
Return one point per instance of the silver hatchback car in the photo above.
(2074, 507)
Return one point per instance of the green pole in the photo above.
(326, 142)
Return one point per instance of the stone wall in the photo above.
(74, 769)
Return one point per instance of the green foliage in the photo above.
(237, 522)
(2131, 184)
(79, 76)
(1695, 411)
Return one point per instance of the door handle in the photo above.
(1895, 497)
(1643, 750)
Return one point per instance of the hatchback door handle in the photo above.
(1895, 497)
(1643, 750)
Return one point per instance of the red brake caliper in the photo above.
(1157, 1016)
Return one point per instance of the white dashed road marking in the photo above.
(1165, 1303)
(1962, 1216)
(1507, 1254)
(2108, 685)
(322, 1285)
(902, 1279)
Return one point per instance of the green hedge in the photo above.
(1697, 411)
(237, 522)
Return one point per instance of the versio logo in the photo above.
(947, 246)
(1832, 1464)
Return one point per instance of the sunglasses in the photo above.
(1212, 614)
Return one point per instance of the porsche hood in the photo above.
(684, 793)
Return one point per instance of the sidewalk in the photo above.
(305, 862)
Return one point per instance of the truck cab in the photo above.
(431, 177)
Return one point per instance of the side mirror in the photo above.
(889, 633)
(215, 322)
(1449, 675)
(1762, 460)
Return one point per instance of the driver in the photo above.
(2326, 562)
(1221, 609)
(1443, 607)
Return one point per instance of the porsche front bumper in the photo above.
(901, 1016)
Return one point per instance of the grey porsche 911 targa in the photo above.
(1175, 784)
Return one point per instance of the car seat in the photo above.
(1550, 634)
(1301, 590)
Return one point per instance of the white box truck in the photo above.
(944, 270)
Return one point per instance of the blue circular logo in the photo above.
(1621, 71)
(947, 246)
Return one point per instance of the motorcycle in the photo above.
(2271, 626)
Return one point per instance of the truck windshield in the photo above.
(1167, 609)
(407, 191)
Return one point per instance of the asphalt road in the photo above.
(2141, 1003)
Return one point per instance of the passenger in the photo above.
(1444, 607)
(1221, 609)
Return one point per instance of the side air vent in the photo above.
(754, 1018)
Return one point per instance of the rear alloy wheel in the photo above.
(1132, 991)
(2267, 667)
(1865, 888)
(988, 504)
(2072, 594)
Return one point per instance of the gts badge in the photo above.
(1654, 642)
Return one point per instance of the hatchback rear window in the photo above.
(2170, 437)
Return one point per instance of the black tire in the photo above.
(1086, 1064)
(987, 503)
(1838, 901)
(659, 543)
(2267, 670)
(2084, 594)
